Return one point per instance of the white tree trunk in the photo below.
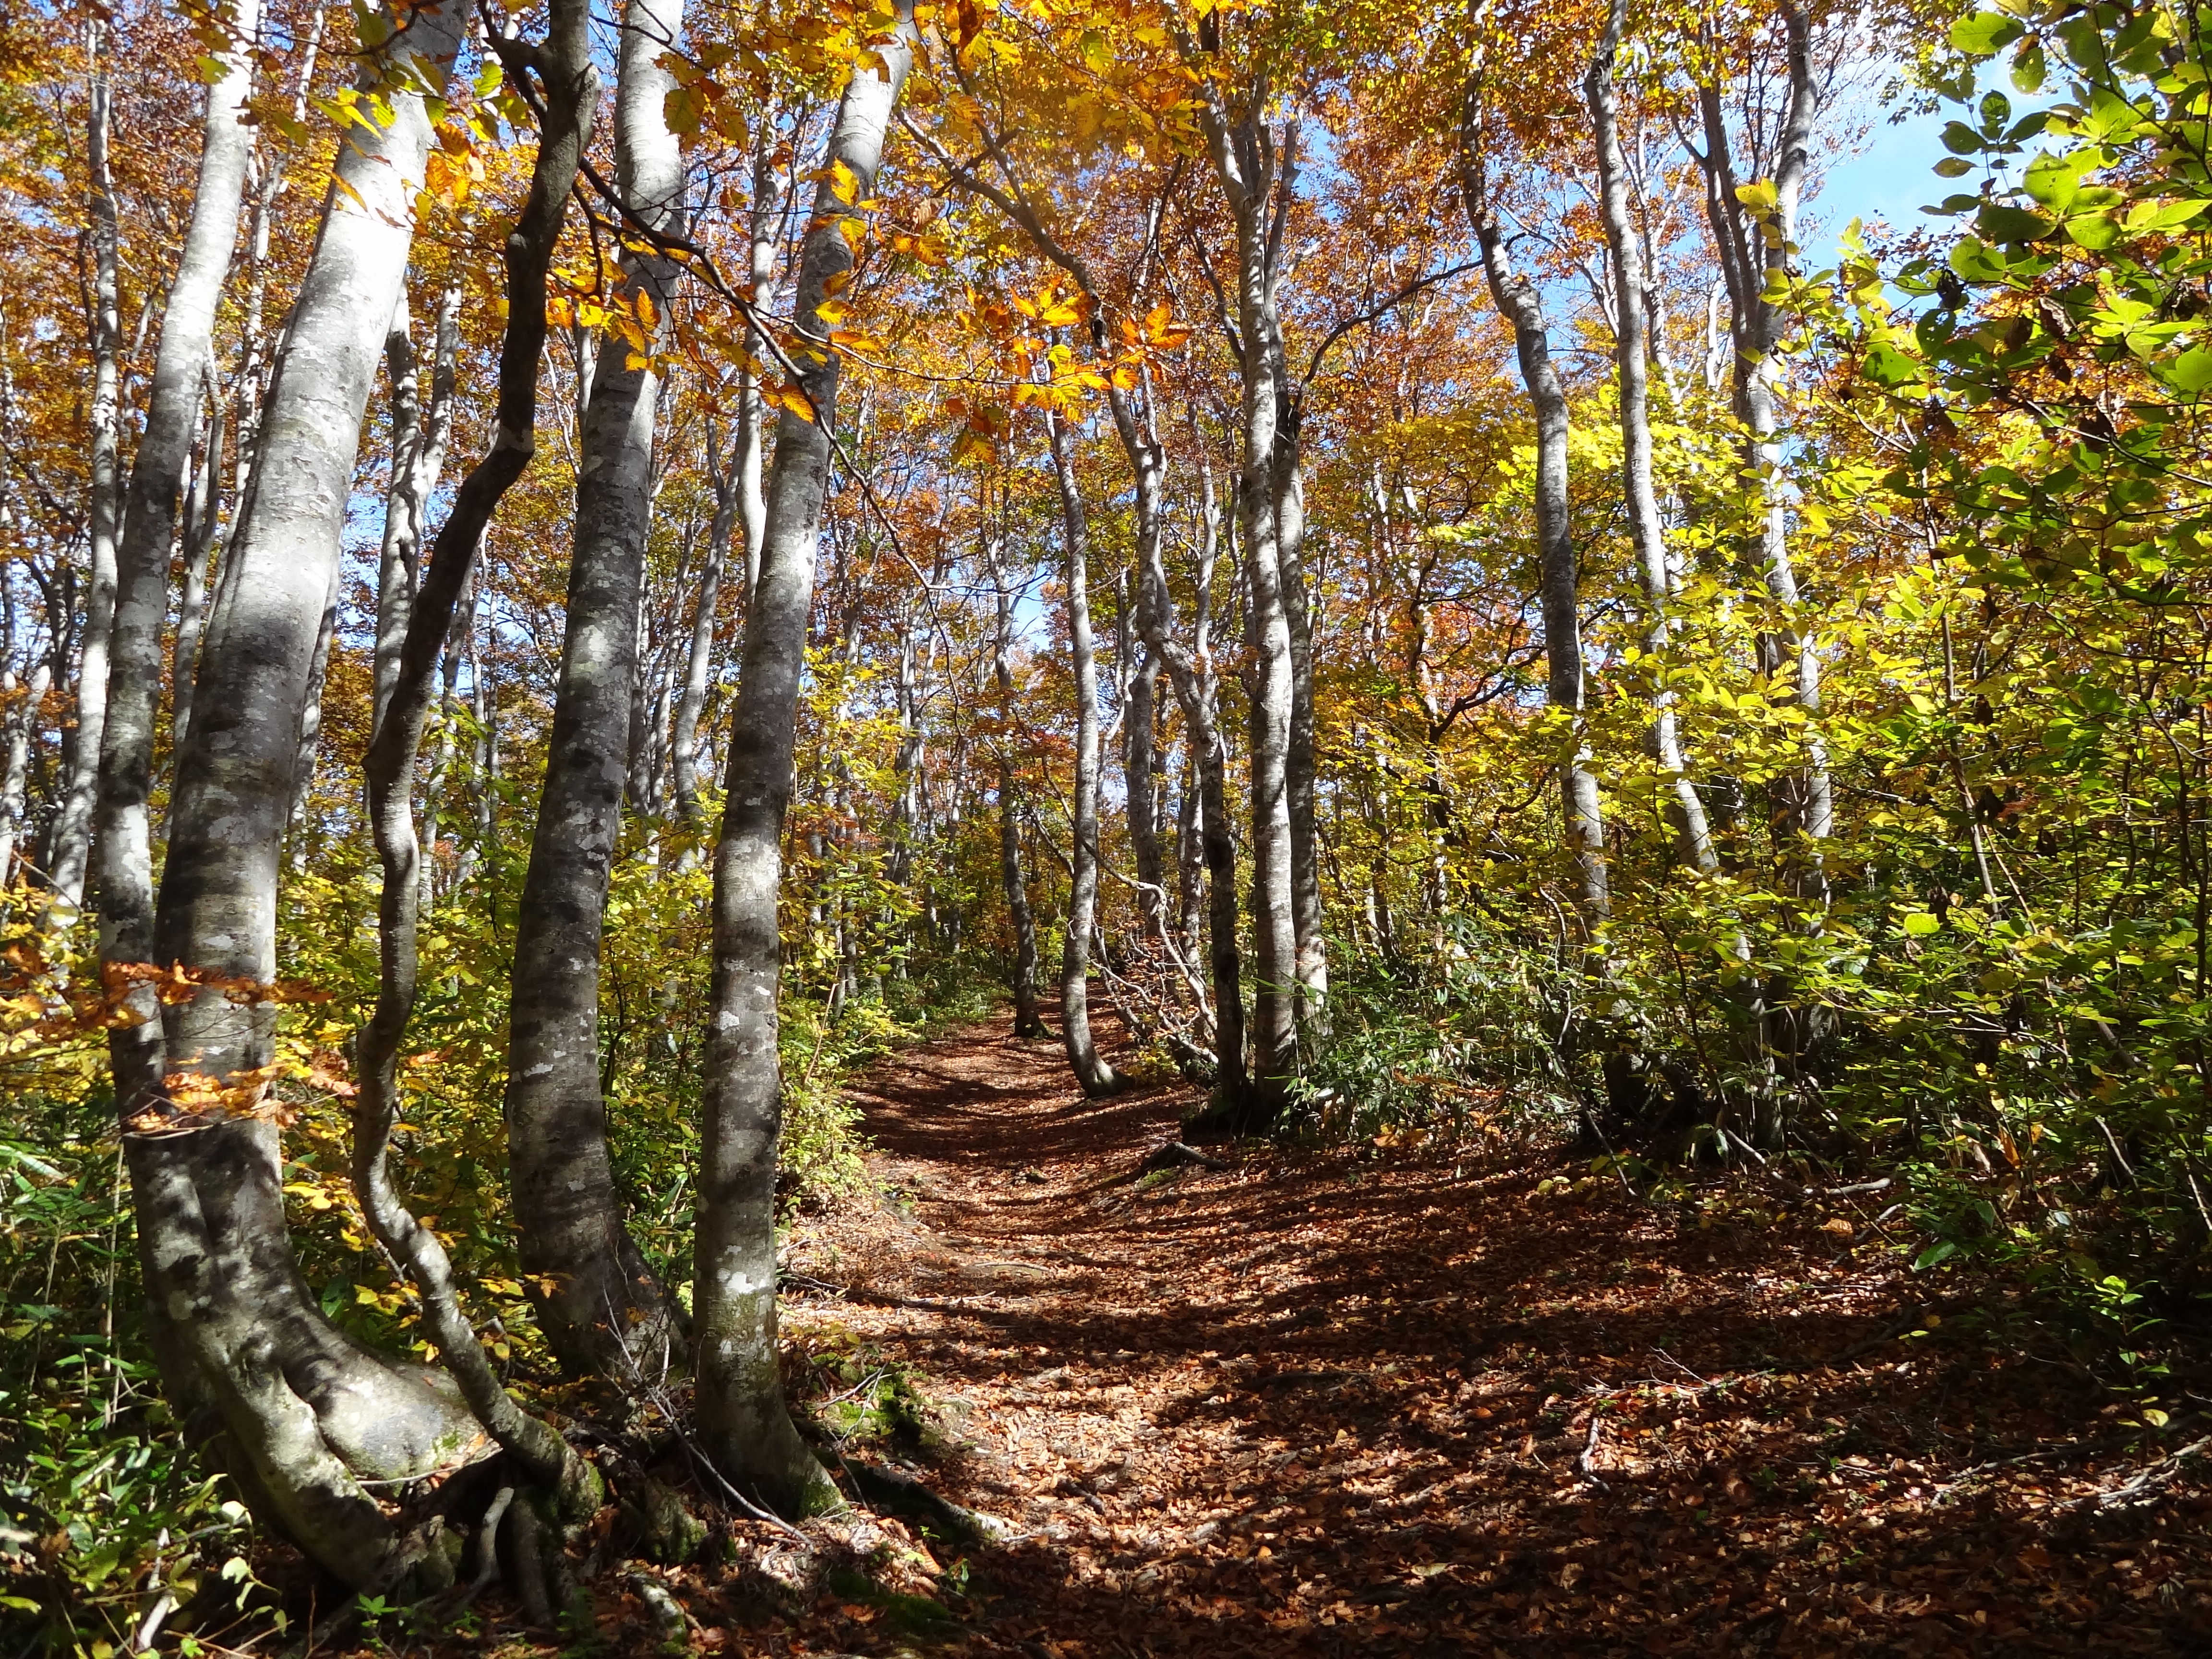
(124, 871)
(742, 1416)
(598, 1301)
(305, 1409)
(71, 854)
(1647, 533)
(1092, 1071)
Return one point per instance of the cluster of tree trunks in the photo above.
(304, 1418)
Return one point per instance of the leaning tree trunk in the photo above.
(306, 1414)
(603, 1310)
(742, 1419)
(1091, 1070)
(72, 852)
(571, 95)
(1693, 839)
(1519, 302)
(123, 872)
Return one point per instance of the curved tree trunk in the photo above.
(601, 1310)
(1092, 1071)
(305, 1412)
(742, 1416)
(123, 873)
(571, 94)
(1693, 841)
(1519, 301)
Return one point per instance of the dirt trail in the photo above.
(1313, 1405)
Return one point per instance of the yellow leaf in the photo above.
(844, 183)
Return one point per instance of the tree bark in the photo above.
(1749, 256)
(603, 1310)
(420, 429)
(767, 217)
(1018, 915)
(1092, 1072)
(570, 92)
(1196, 689)
(742, 1417)
(1522, 304)
(1301, 769)
(1693, 839)
(699, 657)
(304, 1410)
(203, 534)
(123, 873)
(1140, 778)
(1254, 170)
(70, 857)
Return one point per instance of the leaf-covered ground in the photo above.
(1322, 1405)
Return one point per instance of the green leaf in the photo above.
(1920, 923)
(2191, 372)
(1985, 33)
(1960, 139)
(1886, 366)
(1953, 167)
(1999, 223)
(1942, 1250)
(2094, 231)
(2028, 68)
(2053, 180)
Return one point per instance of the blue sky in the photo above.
(1891, 178)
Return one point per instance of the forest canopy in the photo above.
(572, 576)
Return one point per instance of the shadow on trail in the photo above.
(1312, 1404)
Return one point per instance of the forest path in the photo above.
(1309, 1404)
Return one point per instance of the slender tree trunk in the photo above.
(760, 272)
(699, 658)
(571, 91)
(202, 535)
(123, 873)
(1300, 768)
(1192, 675)
(1253, 166)
(601, 1308)
(742, 1417)
(1693, 836)
(1139, 777)
(419, 432)
(1518, 300)
(1190, 859)
(71, 856)
(1752, 254)
(1755, 250)
(22, 712)
(1026, 1021)
(306, 1412)
(1091, 1070)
